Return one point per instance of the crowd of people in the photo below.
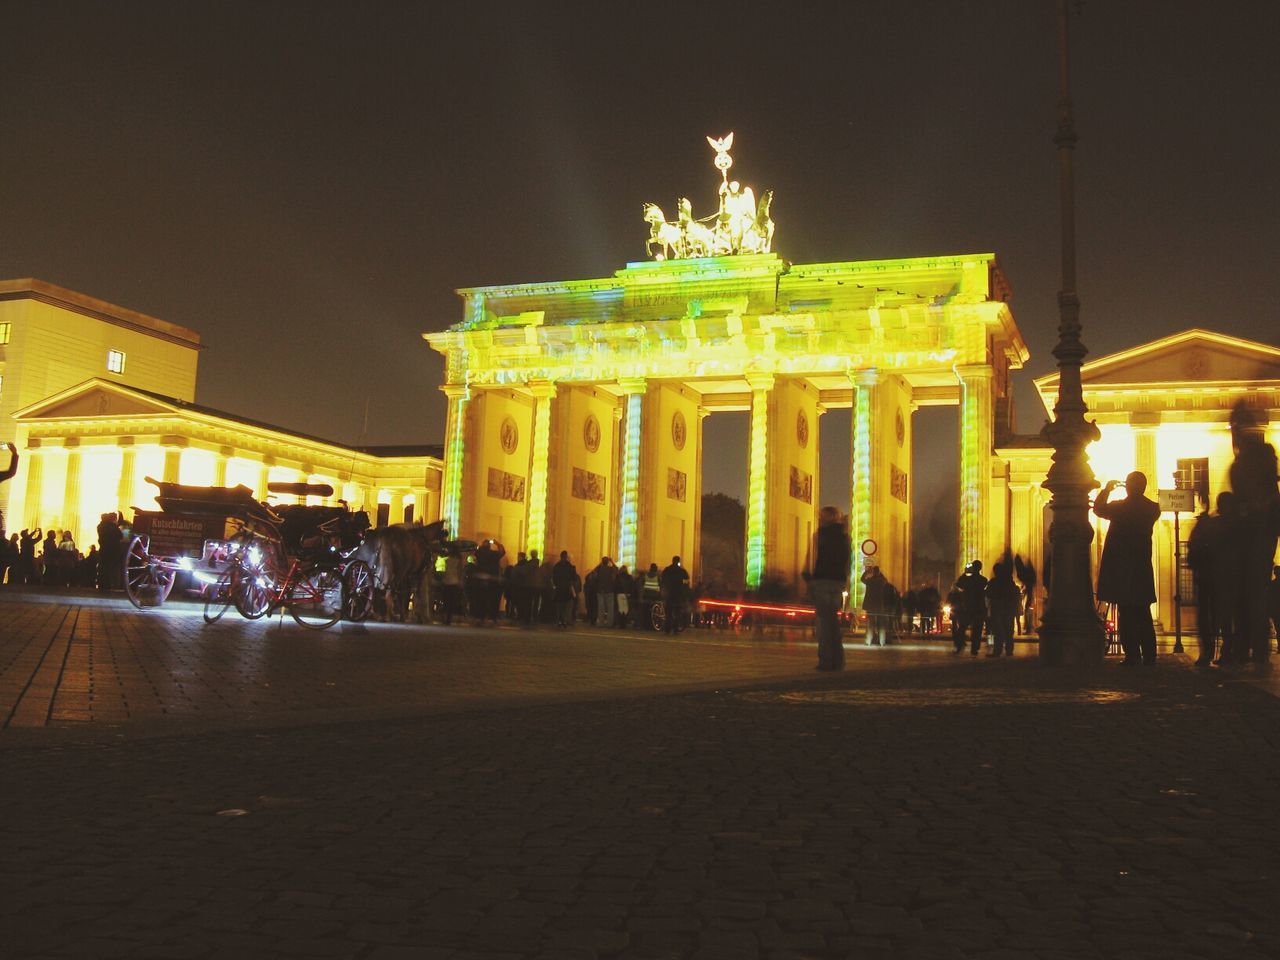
(50, 558)
(535, 590)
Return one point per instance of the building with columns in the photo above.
(577, 409)
(1164, 408)
(97, 398)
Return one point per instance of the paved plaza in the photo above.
(180, 790)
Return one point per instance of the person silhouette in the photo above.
(1125, 575)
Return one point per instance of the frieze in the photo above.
(801, 487)
(898, 483)
(505, 486)
(677, 482)
(589, 486)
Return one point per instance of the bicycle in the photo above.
(317, 591)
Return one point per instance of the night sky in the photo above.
(306, 184)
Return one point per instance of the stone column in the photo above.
(71, 490)
(454, 450)
(128, 475)
(544, 392)
(1144, 426)
(695, 562)
(977, 428)
(758, 479)
(33, 461)
(172, 463)
(264, 477)
(220, 466)
(867, 479)
(633, 392)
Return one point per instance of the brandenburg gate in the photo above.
(577, 408)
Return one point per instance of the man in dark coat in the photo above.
(1254, 476)
(972, 586)
(566, 584)
(1125, 576)
(828, 581)
(675, 584)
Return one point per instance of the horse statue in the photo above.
(663, 236)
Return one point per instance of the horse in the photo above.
(698, 240)
(665, 236)
(399, 556)
(759, 239)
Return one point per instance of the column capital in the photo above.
(974, 371)
(456, 391)
(703, 412)
(632, 385)
(542, 389)
(760, 381)
(865, 377)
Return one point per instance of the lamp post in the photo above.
(1070, 630)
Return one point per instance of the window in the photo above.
(5, 330)
(1193, 474)
(115, 361)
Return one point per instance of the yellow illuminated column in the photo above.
(866, 478)
(34, 463)
(220, 466)
(264, 477)
(71, 490)
(128, 475)
(696, 560)
(758, 478)
(454, 451)
(629, 508)
(543, 393)
(976, 437)
(1145, 426)
(172, 463)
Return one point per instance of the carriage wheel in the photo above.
(357, 591)
(316, 600)
(146, 582)
(221, 596)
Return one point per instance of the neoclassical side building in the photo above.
(1164, 408)
(576, 409)
(98, 397)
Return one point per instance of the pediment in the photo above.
(95, 400)
(1196, 356)
(1197, 359)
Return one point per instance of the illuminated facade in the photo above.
(1163, 408)
(88, 451)
(98, 397)
(52, 338)
(576, 409)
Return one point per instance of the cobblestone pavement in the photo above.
(918, 805)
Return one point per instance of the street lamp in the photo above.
(1070, 630)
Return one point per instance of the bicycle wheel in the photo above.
(357, 591)
(315, 601)
(658, 615)
(220, 597)
(253, 592)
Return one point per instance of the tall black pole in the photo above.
(1070, 630)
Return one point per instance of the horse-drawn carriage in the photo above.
(256, 557)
